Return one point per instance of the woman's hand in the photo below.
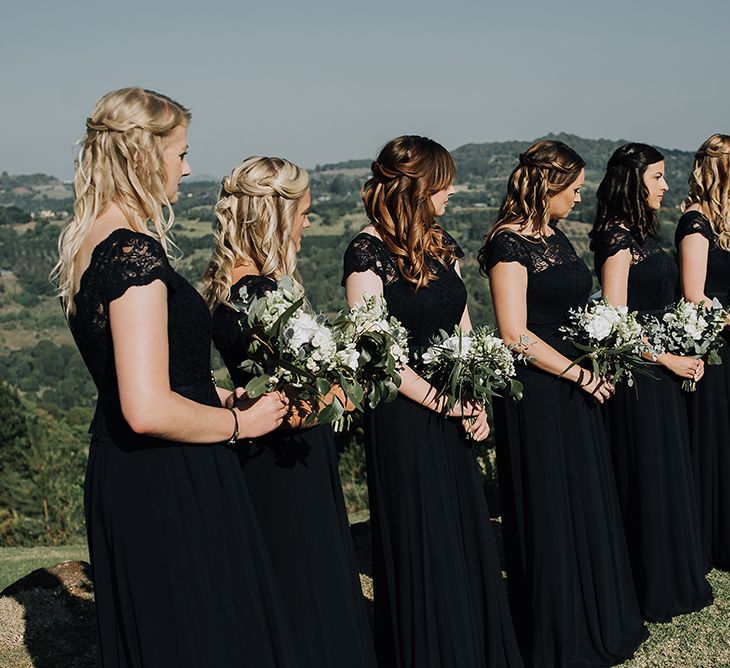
(260, 416)
(459, 410)
(597, 386)
(339, 393)
(477, 428)
(232, 398)
(690, 368)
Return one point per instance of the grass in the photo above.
(698, 640)
(15, 562)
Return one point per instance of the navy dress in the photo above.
(295, 488)
(568, 569)
(181, 573)
(709, 416)
(439, 598)
(649, 437)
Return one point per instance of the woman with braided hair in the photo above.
(703, 243)
(181, 575)
(568, 571)
(647, 423)
(291, 474)
(439, 599)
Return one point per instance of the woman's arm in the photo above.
(412, 386)
(138, 322)
(465, 322)
(693, 252)
(508, 284)
(615, 281)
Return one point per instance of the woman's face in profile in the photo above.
(562, 203)
(655, 184)
(440, 199)
(301, 219)
(174, 160)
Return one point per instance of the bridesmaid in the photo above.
(703, 242)
(292, 476)
(647, 424)
(569, 575)
(439, 601)
(181, 576)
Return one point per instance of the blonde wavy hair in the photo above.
(545, 169)
(120, 162)
(255, 214)
(397, 198)
(709, 186)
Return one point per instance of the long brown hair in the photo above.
(709, 186)
(397, 201)
(545, 169)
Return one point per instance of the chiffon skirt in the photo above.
(439, 597)
(181, 573)
(647, 428)
(709, 419)
(295, 488)
(568, 569)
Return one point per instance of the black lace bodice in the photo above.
(123, 260)
(557, 279)
(422, 312)
(652, 275)
(717, 281)
(227, 334)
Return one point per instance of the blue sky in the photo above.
(327, 81)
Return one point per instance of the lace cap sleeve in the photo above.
(255, 286)
(452, 242)
(364, 253)
(611, 241)
(134, 259)
(693, 222)
(504, 247)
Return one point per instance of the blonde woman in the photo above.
(181, 575)
(439, 600)
(703, 243)
(569, 576)
(292, 475)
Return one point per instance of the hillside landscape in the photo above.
(47, 386)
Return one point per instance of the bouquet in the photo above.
(471, 367)
(611, 337)
(290, 348)
(372, 348)
(690, 330)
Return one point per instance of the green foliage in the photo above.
(41, 474)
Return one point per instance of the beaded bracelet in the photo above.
(234, 436)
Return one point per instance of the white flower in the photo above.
(599, 327)
(349, 357)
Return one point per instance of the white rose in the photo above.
(599, 327)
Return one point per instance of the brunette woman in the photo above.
(703, 243)
(569, 576)
(291, 474)
(181, 576)
(647, 424)
(439, 600)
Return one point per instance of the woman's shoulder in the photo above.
(506, 245)
(122, 259)
(694, 222)
(615, 237)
